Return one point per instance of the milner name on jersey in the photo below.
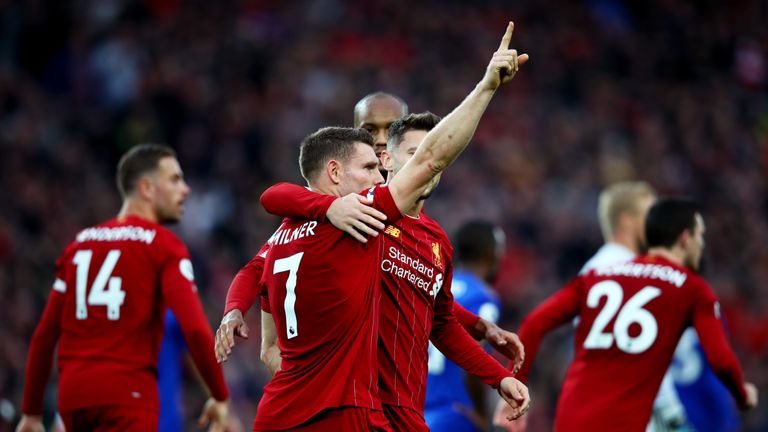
(400, 264)
(287, 235)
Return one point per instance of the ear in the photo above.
(333, 169)
(625, 221)
(684, 238)
(145, 187)
(386, 160)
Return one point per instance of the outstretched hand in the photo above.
(505, 62)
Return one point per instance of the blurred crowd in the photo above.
(669, 92)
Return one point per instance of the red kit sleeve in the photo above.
(294, 201)
(559, 309)
(706, 320)
(43, 344)
(245, 287)
(40, 357)
(180, 294)
(468, 320)
(451, 339)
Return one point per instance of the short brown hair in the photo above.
(422, 121)
(329, 143)
(137, 162)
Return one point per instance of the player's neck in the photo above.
(626, 240)
(325, 189)
(132, 207)
(675, 255)
(416, 209)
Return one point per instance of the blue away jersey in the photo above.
(169, 367)
(446, 387)
(709, 406)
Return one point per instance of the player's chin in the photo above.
(173, 217)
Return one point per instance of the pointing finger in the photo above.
(507, 36)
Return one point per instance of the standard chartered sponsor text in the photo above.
(412, 270)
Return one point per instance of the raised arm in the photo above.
(447, 140)
(352, 213)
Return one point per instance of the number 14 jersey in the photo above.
(106, 311)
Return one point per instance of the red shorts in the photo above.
(405, 419)
(348, 418)
(111, 418)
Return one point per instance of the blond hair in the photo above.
(617, 199)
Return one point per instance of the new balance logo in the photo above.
(392, 231)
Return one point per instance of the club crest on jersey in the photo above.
(392, 231)
(436, 251)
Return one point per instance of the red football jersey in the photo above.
(416, 306)
(106, 312)
(244, 289)
(631, 318)
(324, 294)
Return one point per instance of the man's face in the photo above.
(169, 190)
(361, 171)
(638, 220)
(375, 117)
(695, 246)
(394, 161)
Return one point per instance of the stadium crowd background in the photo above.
(669, 92)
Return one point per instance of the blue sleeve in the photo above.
(477, 299)
(169, 366)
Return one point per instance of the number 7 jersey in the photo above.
(631, 316)
(323, 289)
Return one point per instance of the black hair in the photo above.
(474, 241)
(667, 219)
